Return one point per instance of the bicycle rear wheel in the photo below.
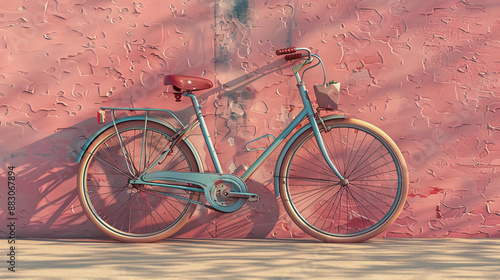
(128, 212)
(334, 211)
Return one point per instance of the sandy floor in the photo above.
(255, 259)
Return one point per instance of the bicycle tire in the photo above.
(134, 213)
(321, 205)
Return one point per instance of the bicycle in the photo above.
(340, 179)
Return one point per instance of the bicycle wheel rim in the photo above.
(336, 213)
(134, 213)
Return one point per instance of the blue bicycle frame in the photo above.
(306, 112)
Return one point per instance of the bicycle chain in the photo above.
(195, 202)
(191, 200)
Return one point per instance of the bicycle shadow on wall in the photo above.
(46, 197)
(48, 202)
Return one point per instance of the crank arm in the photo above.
(249, 196)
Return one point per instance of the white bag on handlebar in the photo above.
(327, 95)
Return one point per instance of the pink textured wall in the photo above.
(426, 72)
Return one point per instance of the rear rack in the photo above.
(147, 110)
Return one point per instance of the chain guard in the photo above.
(224, 192)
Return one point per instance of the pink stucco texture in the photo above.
(426, 72)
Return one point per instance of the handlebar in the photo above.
(294, 56)
(291, 53)
(297, 53)
(286, 51)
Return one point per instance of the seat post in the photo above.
(204, 131)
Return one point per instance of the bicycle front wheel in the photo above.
(128, 212)
(353, 210)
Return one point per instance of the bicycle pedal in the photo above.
(249, 196)
(254, 198)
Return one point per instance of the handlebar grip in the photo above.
(286, 51)
(294, 56)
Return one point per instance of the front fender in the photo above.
(279, 162)
(130, 118)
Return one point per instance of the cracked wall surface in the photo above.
(426, 72)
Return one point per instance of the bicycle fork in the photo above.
(319, 139)
(321, 144)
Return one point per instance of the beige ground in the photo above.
(255, 259)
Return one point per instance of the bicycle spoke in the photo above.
(318, 159)
(374, 206)
(152, 160)
(312, 171)
(336, 157)
(374, 169)
(300, 199)
(113, 168)
(374, 194)
(362, 158)
(351, 160)
(119, 207)
(336, 197)
(161, 197)
(324, 170)
(148, 204)
(375, 180)
(143, 149)
(310, 180)
(344, 156)
(363, 212)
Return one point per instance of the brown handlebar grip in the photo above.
(286, 51)
(293, 56)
